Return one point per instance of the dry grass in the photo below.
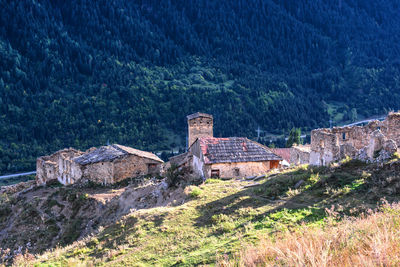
(373, 239)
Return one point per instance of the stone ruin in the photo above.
(300, 154)
(374, 142)
(106, 165)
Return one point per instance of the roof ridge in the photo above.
(116, 146)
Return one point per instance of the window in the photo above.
(344, 136)
(214, 173)
(152, 167)
(236, 171)
(378, 128)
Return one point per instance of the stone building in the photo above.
(105, 165)
(377, 140)
(229, 157)
(199, 125)
(114, 163)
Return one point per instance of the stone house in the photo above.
(377, 140)
(105, 165)
(229, 157)
(114, 163)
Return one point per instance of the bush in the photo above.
(195, 193)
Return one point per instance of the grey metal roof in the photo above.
(234, 149)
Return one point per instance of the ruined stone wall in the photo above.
(46, 170)
(239, 169)
(69, 171)
(51, 167)
(199, 127)
(360, 142)
(300, 154)
(391, 127)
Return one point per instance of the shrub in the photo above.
(195, 193)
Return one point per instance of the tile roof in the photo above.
(111, 152)
(198, 114)
(284, 153)
(234, 149)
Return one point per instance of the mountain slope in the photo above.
(198, 224)
(81, 73)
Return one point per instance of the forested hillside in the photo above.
(84, 73)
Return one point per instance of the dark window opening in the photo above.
(344, 136)
(378, 128)
(237, 171)
(214, 173)
(152, 167)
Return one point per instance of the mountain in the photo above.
(84, 73)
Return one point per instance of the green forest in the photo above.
(84, 73)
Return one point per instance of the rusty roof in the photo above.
(111, 152)
(234, 149)
(197, 115)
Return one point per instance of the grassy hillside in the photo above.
(84, 73)
(216, 221)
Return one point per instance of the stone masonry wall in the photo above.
(238, 169)
(100, 172)
(300, 154)
(51, 167)
(199, 127)
(362, 142)
(132, 166)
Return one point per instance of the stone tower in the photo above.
(199, 125)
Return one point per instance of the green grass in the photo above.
(220, 217)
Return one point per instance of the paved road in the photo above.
(16, 175)
(364, 121)
(379, 118)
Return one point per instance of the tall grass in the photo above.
(373, 239)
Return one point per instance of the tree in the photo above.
(353, 114)
(294, 137)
